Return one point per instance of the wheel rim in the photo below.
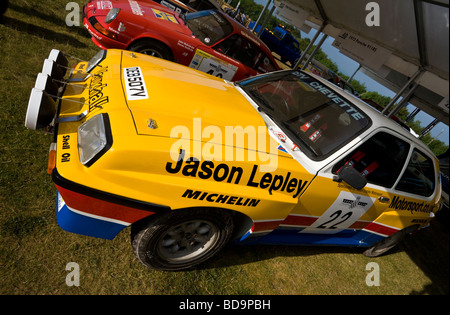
(188, 241)
(151, 52)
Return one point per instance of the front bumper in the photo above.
(86, 211)
(80, 209)
(101, 40)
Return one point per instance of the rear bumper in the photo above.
(83, 210)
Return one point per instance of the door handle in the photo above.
(383, 199)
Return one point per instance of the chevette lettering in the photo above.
(221, 198)
(232, 174)
(335, 98)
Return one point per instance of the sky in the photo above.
(348, 66)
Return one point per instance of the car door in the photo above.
(208, 60)
(250, 59)
(337, 212)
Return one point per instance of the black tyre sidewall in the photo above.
(390, 242)
(145, 241)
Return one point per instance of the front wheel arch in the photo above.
(160, 49)
(181, 239)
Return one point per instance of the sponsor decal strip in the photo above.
(103, 209)
(97, 217)
(266, 225)
(403, 204)
(298, 220)
(193, 167)
(221, 198)
(96, 96)
(381, 229)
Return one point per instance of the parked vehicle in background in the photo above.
(209, 41)
(281, 42)
(186, 6)
(443, 163)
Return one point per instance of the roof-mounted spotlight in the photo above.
(41, 110)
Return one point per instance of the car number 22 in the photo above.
(344, 211)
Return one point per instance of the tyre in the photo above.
(389, 242)
(181, 239)
(152, 48)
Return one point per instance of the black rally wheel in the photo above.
(181, 239)
(389, 242)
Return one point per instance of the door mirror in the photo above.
(352, 177)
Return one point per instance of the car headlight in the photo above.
(112, 14)
(96, 60)
(94, 139)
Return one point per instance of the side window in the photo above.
(419, 175)
(380, 159)
(237, 48)
(245, 52)
(264, 64)
(277, 32)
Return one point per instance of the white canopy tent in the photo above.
(402, 44)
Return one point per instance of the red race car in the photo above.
(209, 40)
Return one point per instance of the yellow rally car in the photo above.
(193, 162)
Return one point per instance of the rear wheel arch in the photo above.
(390, 242)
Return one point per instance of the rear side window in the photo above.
(419, 176)
(380, 159)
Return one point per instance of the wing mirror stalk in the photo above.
(352, 177)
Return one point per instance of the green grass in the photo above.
(34, 251)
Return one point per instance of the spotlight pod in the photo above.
(51, 68)
(44, 82)
(41, 110)
(59, 58)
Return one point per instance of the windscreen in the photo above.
(208, 26)
(316, 118)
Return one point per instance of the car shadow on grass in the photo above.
(42, 32)
(58, 21)
(242, 254)
(428, 249)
